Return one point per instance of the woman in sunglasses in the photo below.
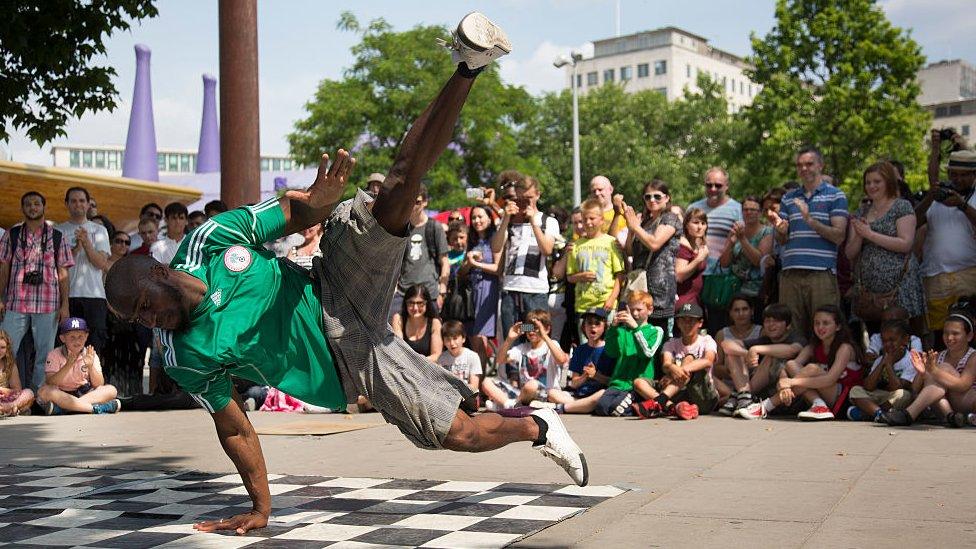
(120, 248)
(652, 241)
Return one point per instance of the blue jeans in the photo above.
(516, 304)
(43, 329)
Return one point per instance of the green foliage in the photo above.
(48, 71)
(393, 77)
(838, 75)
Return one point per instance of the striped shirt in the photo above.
(805, 248)
(720, 221)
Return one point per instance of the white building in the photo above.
(949, 93)
(667, 60)
(107, 159)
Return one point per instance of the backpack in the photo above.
(14, 235)
(430, 239)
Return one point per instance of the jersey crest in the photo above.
(237, 259)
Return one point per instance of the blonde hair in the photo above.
(591, 205)
(7, 363)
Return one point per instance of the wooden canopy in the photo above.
(117, 198)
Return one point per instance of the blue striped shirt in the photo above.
(805, 248)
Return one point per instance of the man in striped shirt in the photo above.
(812, 223)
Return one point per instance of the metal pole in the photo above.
(576, 146)
(240, 142)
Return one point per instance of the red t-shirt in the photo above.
(689, 291)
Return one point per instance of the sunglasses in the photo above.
(714, 185)
(655, 197)
(122, 241)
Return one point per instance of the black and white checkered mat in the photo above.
(65, 506)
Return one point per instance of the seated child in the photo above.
(944, 380)
(588, 368)
(816, 372)
(765, 356)
(874, 342)
(889, 384)
(686, 388)
(14, 398)
(631, 343)
(531, 369)
(74, 381)
(464, 363)
(740, 327)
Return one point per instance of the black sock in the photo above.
(662, 399)
(543, 429)
(464, 71)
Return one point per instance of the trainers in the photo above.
(540, 404)
(686, 410)
(899, 418)
(743, 400)
(956, 420)
(816, 412)
(559, 446)
(753, 411)
(971, 419)
(51, 409)
(477, 41)
(111, 407)
(729, 408)
(855, 414)
(250, 404)
(880, 417)
(648, 409)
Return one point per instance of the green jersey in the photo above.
(260, 320)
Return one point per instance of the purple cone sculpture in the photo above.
(208, 154)
(140, 143)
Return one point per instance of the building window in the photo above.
(940, 112)
(185, 163)
(964, 130)
(100, 159)
(264, 164)
(86, 159)
(276, 164)
(112, 160)
(161, 162)
(608, 76)
(643, 70)
(591, 79)
(626, 73)
(750, 90)
(662, 91)
(955, 110)
(688, 70)
(75, 159)
(172, 162)
(742, 87)
(660, 67)
(579, 80)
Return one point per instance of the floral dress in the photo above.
(880, 269)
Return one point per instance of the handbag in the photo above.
(868, 305)
(458, 302)
(719, 289)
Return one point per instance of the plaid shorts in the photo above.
(357, 276)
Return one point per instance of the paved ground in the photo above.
(715, 482)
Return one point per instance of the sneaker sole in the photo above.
(479, 33)
(814, 417)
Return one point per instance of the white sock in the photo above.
(818, 402)
(768, 405)
(510, 403)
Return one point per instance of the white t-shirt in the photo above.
(462, 366)
(525, 266)
(875, 348)
(679, 350)
(950, 243)
(903, 368)
(85, 280)
(535, 364)
(164, 249)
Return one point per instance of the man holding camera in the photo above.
(947, 215)
(34, 262)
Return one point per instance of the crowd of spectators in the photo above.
(737, 304)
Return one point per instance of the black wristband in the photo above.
(963, 207)
(464, 71)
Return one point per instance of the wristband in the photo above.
(963, 207)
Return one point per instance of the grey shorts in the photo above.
(357, 276)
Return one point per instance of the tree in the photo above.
(48, 71)
(632, 138)
(392, 79)
(838, 75)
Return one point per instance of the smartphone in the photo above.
(527, 328)
(475, 193)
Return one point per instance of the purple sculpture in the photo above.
(208, 154)
(140, 143)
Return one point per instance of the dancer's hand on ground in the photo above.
(239, 523)
(329, 183)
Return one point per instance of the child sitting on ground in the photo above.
(464, 363)
(889, 384)
(589, 369)
(14, 398)
(686, 388)
(74, 381)
(874, 349)
(531, 369)
(631, 343)
(765, 356)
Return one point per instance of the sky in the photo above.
(298, 46)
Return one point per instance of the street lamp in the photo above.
(559, 63)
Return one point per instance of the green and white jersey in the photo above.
(260, 320)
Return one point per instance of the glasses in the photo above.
(714, 185)
(416, 303)
(654, 197)
(122, 241)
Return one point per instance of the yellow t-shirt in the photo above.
(601, 255)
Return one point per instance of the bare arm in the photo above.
(948, 378)
(436, 343)
(834, 232)
(779, 350)
(397, 325)
(844, 355)
(702, 363)
(63, 311)
(903, 241)
(95, 375)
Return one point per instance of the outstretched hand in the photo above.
(329, 183)
(239, 523)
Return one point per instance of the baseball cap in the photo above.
(72, 324)
(689, 310)
(377, 177)
(598, 312)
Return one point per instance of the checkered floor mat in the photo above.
(65, 506)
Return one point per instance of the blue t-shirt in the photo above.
(583, 355)
(805, 248)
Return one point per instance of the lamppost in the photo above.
(560, 62)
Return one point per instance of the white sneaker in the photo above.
(560, 447)
(752, 411)
(540, 404)
(477, 41)
(815, 413)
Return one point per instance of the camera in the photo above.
(527, 328)
(942, 191)
(475, 193)
(33, 278)
(947, 135)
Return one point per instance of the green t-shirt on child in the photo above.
(633, 349)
